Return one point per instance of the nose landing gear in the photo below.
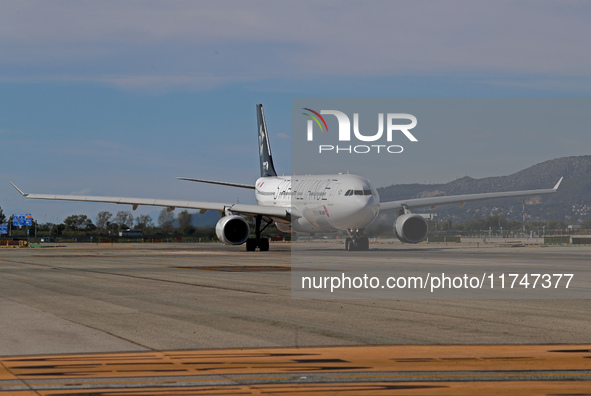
(356, 241)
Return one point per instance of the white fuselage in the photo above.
(321, 203)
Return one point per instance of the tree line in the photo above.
(124, 220)
(499, 222)
(168, 223)
(495, 224)
(110, 223)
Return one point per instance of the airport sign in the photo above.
(22, 220)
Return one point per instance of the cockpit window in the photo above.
(357, 192)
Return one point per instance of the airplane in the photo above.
(305, 203)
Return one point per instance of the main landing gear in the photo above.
(257, 241)
(356, 241)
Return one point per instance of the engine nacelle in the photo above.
(232, 230)
(411, 228)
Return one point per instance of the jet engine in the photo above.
(232, 230)
(411, 228)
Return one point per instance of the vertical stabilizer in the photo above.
(266, 160)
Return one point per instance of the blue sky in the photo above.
(118, 98)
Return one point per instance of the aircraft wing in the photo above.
(249, 186)
(433, 202)
(244, 209)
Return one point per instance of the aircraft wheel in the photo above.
(251, 244)
(264, 244)
(348, 244)
(363, 243)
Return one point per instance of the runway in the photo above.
(142, 300)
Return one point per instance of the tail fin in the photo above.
(266, 160)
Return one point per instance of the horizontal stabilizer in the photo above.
(218, 182)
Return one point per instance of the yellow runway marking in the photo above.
(374, 370)
(359, 389)
(282, 360)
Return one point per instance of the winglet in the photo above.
(558, 184)
(19, 190)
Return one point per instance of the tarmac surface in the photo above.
(84, 307)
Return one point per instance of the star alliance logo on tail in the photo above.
(261, 139)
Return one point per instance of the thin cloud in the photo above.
(202, 45)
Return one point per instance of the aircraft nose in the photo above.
(369, 210)
(373, 206)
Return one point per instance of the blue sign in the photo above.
(22, 220)
(3, 229)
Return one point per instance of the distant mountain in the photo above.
(570, 204)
